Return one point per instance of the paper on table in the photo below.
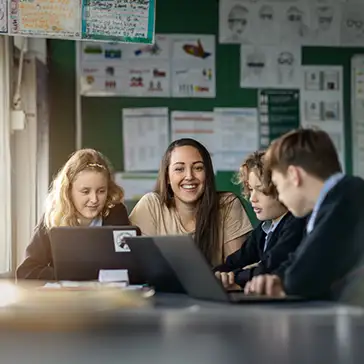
(113, 275)
(145, 136)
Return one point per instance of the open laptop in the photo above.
(79, 253)
(181, 256)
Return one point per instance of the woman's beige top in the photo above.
(154, 218)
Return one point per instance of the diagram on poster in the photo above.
(322, 102)
(102, 70)
(235, 22)
(295, 24)
(193, 66)
(352, 24)
(148, 68)
(265, 22)
(110, 69)
(325, 23)
(270, 66)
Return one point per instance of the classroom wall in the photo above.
(102, 126)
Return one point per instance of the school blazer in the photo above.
(323, 263)
(283, 241)
(38, 262)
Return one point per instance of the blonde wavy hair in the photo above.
(59, 209)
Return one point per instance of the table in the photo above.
(180, 330)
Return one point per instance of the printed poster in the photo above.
(101, 69)
(116, 69)
(145, 138)
(193, 66)
(322, 103)
(148, 68)
(122, 21)
(270, 66)
(43, 18)
(108, 20)
(237, 135)
(352, 24)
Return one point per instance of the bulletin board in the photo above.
(102, 125)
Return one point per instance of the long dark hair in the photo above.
(207, 217)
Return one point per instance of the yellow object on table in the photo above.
(26, 306)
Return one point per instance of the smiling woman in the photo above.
(83, 193)
(185, 201)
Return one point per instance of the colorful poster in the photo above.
(44, 18)
(112, 69)
(148, 68)
(123, 20)
(193, 66)
(3, 16)
(101, 69)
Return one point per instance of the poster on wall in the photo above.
(145, 137)
(352, 24)
(279, 112)
(270, 66)
(148, 68)
(3, 16)
(120, 21)
(322, 103)
(265, 22)
(117, 21)
(114, 69)
(193, 66)
(325, 23)
(198, 125)
(101, 70)
(42, 18)
(237, 135)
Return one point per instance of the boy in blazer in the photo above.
(305, 169)
(82, 194)
(278, 234)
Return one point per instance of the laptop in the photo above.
(79, 253)
(182, 257)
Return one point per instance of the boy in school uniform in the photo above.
(305, 169)
(278, 234)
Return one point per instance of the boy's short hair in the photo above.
(310, 149)
(255, 163)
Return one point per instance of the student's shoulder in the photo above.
(150, 199)
(291, 222)
(118, 215)
(350, 189)
(228, 198)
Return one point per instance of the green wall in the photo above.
(102, 126)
